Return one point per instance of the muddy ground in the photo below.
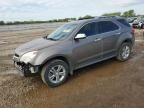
(109, 84)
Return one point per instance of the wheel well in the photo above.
(127, 40)
(58, 57)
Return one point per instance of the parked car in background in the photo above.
(73, 46)
(141, 24)
(136, 22)
(131, 20)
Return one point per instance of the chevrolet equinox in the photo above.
(73, 46)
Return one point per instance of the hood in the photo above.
(34, 45)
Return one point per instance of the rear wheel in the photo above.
(124, 51)
(55, 73)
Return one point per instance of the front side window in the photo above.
(107, 26)
(89, 29)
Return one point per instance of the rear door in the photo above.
(110, 33)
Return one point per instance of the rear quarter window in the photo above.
(124, 22)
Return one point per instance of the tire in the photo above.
(124, 56)
(55, 73)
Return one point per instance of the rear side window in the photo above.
(124, 22)
(89, 29)
(107, 26)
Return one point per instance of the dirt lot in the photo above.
(109, 84)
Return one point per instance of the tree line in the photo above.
(35, 22)
(129, 13)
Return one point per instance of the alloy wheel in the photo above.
(125, 52)
(57, 74)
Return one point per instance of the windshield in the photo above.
(62, 32)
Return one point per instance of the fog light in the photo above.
(32, 70)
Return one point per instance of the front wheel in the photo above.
(55, 73)
(124, 51)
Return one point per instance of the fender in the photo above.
(44, 56)
(123, 38)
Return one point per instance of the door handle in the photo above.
(97, 39)
(117, 33)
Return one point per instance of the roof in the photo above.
(97, 18)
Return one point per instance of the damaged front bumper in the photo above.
(25, 69)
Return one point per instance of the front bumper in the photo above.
(25, 69)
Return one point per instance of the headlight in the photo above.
(28, 57)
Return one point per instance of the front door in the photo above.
(87, 51)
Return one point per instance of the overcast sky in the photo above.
(11, 10)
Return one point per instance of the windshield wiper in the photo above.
(51, 39)
(45, 37)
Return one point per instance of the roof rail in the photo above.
(99, 17)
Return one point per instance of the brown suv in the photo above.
(73, 46)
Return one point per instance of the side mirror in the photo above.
(80, 36)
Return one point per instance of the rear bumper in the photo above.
(25, 69)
